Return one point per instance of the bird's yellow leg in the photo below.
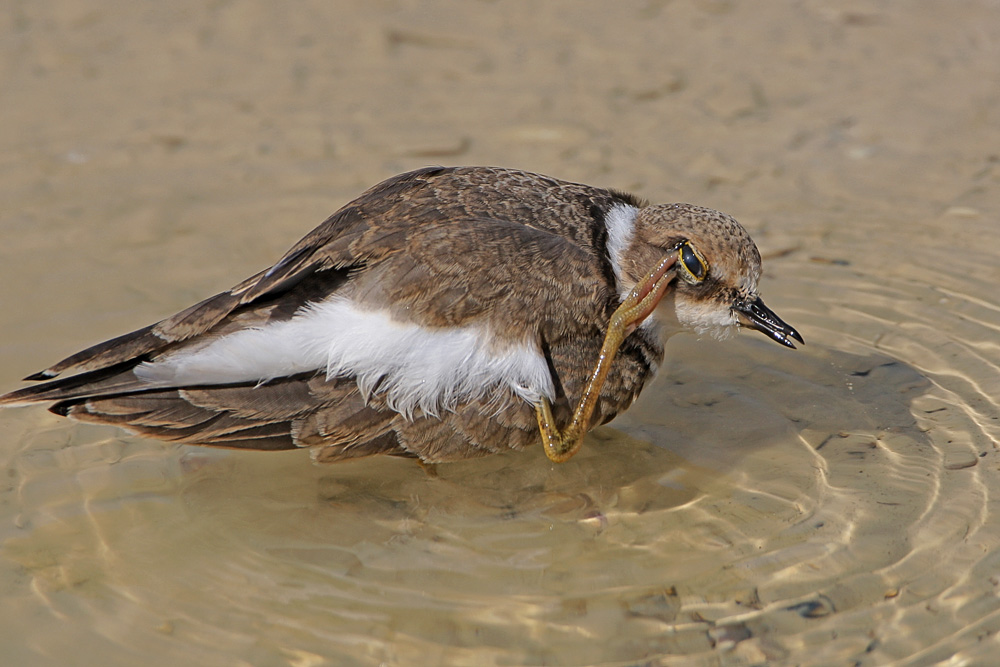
(637, 306)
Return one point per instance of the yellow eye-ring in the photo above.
(693, 265)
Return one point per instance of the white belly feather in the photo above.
(412, 366)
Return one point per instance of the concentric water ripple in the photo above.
(832, 505)
(757, 504)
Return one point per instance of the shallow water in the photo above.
(832, 505)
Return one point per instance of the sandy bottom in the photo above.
(833, 505)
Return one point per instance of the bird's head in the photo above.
(716, 271)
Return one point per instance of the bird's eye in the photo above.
(693, 265)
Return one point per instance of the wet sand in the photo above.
(833, 505)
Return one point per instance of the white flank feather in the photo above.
(412, 366)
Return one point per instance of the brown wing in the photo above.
(309, 411)
(418, 244)
(272, 294)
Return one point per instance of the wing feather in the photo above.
(435, 247)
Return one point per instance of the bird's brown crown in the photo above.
(718, 263)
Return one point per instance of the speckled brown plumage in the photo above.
(522, 255)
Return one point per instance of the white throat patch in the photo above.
(706, 318)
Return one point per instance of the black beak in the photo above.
(755, 315)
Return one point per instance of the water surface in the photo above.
(832, 505)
